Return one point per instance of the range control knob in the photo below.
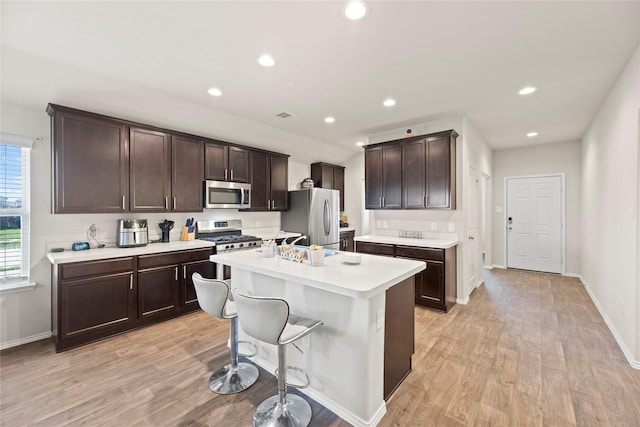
(232, 246)
(241, 245)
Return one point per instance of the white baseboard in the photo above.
(576, 275)
(27, 340)
(499, 266)
(463, 301)
(623, 346)
(488, 267)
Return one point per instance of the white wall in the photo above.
(470, 149)
(26, 315)
(610, 165)
(562, 157)
(354, 194)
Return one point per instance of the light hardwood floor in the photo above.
(529, 349)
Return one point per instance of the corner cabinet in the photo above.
(325, 175)
(269, 181)
(413, 173)
(90, 163)
(92, 300)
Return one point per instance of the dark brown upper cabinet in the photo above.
(428, 165)
(269, 181)
(326, 175)
(187, 171)
(149, 170)
(90, 162)
(225, 162)
(383, 176)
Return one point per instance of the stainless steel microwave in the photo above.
(226, 195)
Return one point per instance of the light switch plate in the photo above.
(380, 319)
(452, 227)
(498, 209)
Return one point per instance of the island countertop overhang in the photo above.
(374, 274)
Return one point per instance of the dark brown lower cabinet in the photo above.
(435, 286)
(346, 241)
(92, 300)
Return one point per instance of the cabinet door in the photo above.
(89, 306)
(149, 171)
(205, 268)
(187, 174)
(375, 248)
(338, 184)
(373, 177)
(215, 161)
(430, 285)
(438, 172)
(238, 164)
(90, 161)
(260, 181)
(158, 291)
(414, 160)
(392, 176)
(279, 182)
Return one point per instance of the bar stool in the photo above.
(269, 320)
(213, 297)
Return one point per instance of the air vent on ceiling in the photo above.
(284, 115)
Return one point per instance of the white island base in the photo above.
(345, 358)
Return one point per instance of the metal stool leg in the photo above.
(234, 377)
(282, 410)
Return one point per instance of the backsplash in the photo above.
(425, 224)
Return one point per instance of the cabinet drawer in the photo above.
(169, 258)
(94, 268)
(420, 253)
(374, 248)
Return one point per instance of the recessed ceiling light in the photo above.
(527, 90)
(329, 119)
(266, 61)
(214, 91)
(355, 10)
(532, 134)
(389, 102)
(359, 143)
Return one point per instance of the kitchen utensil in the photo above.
(165, 227)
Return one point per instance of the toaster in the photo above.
(132, 233)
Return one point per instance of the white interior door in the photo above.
(473, 210)
(534, 223)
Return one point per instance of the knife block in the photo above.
(185, 235)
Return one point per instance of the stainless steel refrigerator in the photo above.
(314, 212)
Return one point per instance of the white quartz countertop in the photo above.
(405, 241)
(373, 275)
(347, 229)
(114, 252)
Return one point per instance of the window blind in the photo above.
(15, 155)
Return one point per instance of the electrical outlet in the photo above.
(498, 209)
(385, 225)
(378, 224)
(452, 227)
(92, 230)
(434, 226)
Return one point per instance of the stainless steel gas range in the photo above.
(227, 236)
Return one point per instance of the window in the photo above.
(14, 210)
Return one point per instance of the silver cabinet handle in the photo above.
(225, 174)
(380, 201)
(174, 203)
(131, 281)
(231, 174)
(166, 203)
(184, 272)
(273, 204)
(123, 208)
(176, 273)
(269, 204)
(425, 201)
(383, 201)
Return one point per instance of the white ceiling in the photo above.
(436, 59)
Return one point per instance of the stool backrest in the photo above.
(212, 295)
(263, 318)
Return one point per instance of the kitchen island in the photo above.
(363, 350)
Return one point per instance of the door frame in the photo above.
(563, 226)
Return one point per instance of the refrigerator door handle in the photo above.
(327, 219)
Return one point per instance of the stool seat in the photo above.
(269, 320)
(213, 297)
